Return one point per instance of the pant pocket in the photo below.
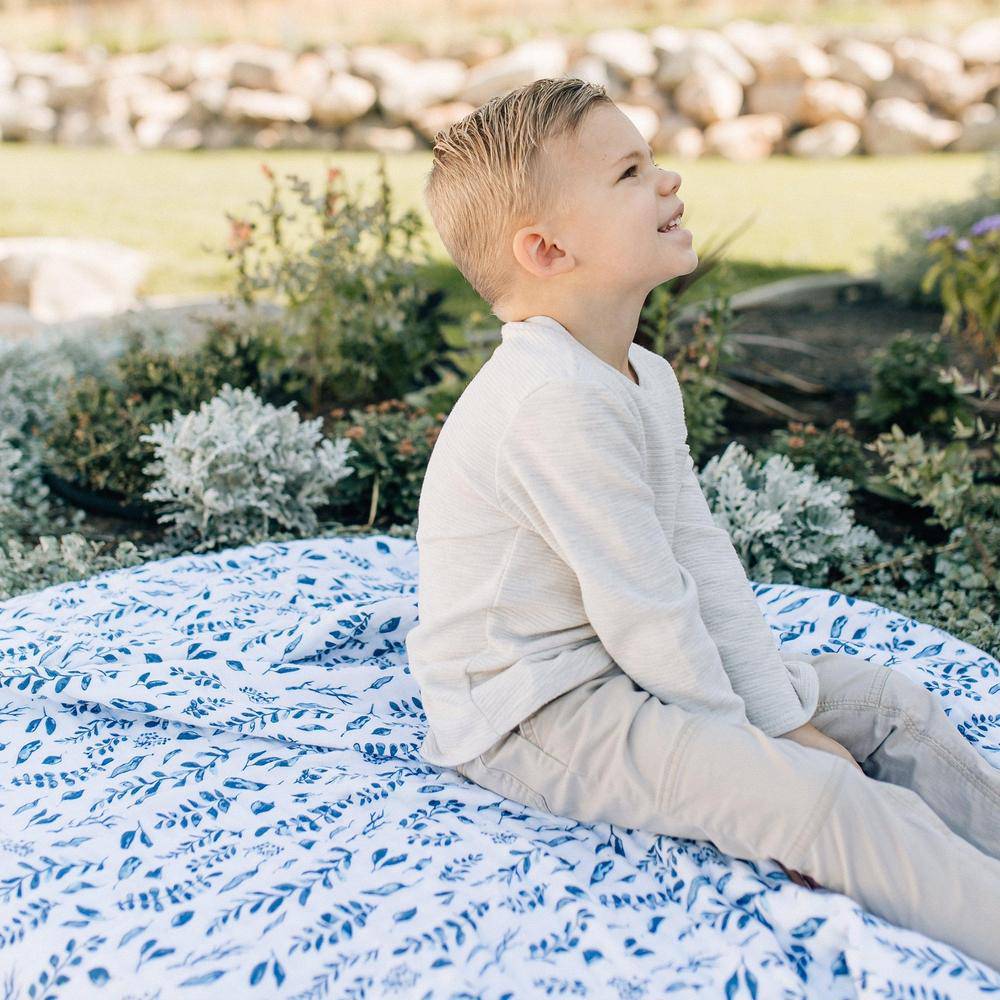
(500, 770)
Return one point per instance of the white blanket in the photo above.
(211, 787)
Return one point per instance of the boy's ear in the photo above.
(539, 255)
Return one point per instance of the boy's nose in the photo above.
(671, 181)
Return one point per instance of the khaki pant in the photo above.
(915, 839)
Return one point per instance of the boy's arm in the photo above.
(779, 690)
(570, 467)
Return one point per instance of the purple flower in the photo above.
(940, 232)
(985, 225)
(962, 245)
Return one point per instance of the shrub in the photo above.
(392, 442)
(237, 467)
(54, 560)
(696, 358)
(956, 584)
(908, 388)
(967, 270)
(901, 268)
(97, 438)
(832, 451)
(786, 524)
(28, 392)
(358, 324)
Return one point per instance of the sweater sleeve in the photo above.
(780, 690)
(570, 466)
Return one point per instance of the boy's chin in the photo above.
(682, 264)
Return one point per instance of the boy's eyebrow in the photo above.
(636, 154)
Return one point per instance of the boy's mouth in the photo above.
(673, 223)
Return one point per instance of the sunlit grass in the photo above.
(807, 215)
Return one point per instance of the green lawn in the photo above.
(820, 215)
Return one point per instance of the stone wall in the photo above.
(744, 91)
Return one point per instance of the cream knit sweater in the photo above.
(561, 526)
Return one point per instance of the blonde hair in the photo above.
(489, 176)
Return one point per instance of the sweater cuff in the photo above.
(799, 710)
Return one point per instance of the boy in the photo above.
(588, 642)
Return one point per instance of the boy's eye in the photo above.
(633, 167)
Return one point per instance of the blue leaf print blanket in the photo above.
(211, 786)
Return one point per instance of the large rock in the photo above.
(644, 118)
(429, 81)
(979, 43)
(439, 118)
(24, 120)
(980, 130)
(627, 52)
(778, 51)
(258, 68)
(830, 100)
(927, 63)
(678, 136)
(530, 61)
(346, 99)
(954, 94)
(899, 85)
(861, 63)
(749, 137)
(59, 278)
(896, 126)
(832, 139)
(307, 77)
(363, 135)
(722, 51)
(782, 97)
(709, 95)
(244, 104)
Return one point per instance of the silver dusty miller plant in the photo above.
(787, 525)
(237, 469)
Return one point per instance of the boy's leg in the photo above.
(898, 732)
(610, 751)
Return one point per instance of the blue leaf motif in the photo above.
(98, 975)
(600, 870)
(132, 706)
(27, 750)
(130, 766)
(129, 865)
(204, 979)
(386, 890)
(238, 879)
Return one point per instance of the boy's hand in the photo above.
(808, 735)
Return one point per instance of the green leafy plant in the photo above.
(358, 324)
(96, 439)
(954, 584)
(392, 443)
(967, 271)
(908, 388)
(832, 451)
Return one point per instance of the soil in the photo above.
(847, 335)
